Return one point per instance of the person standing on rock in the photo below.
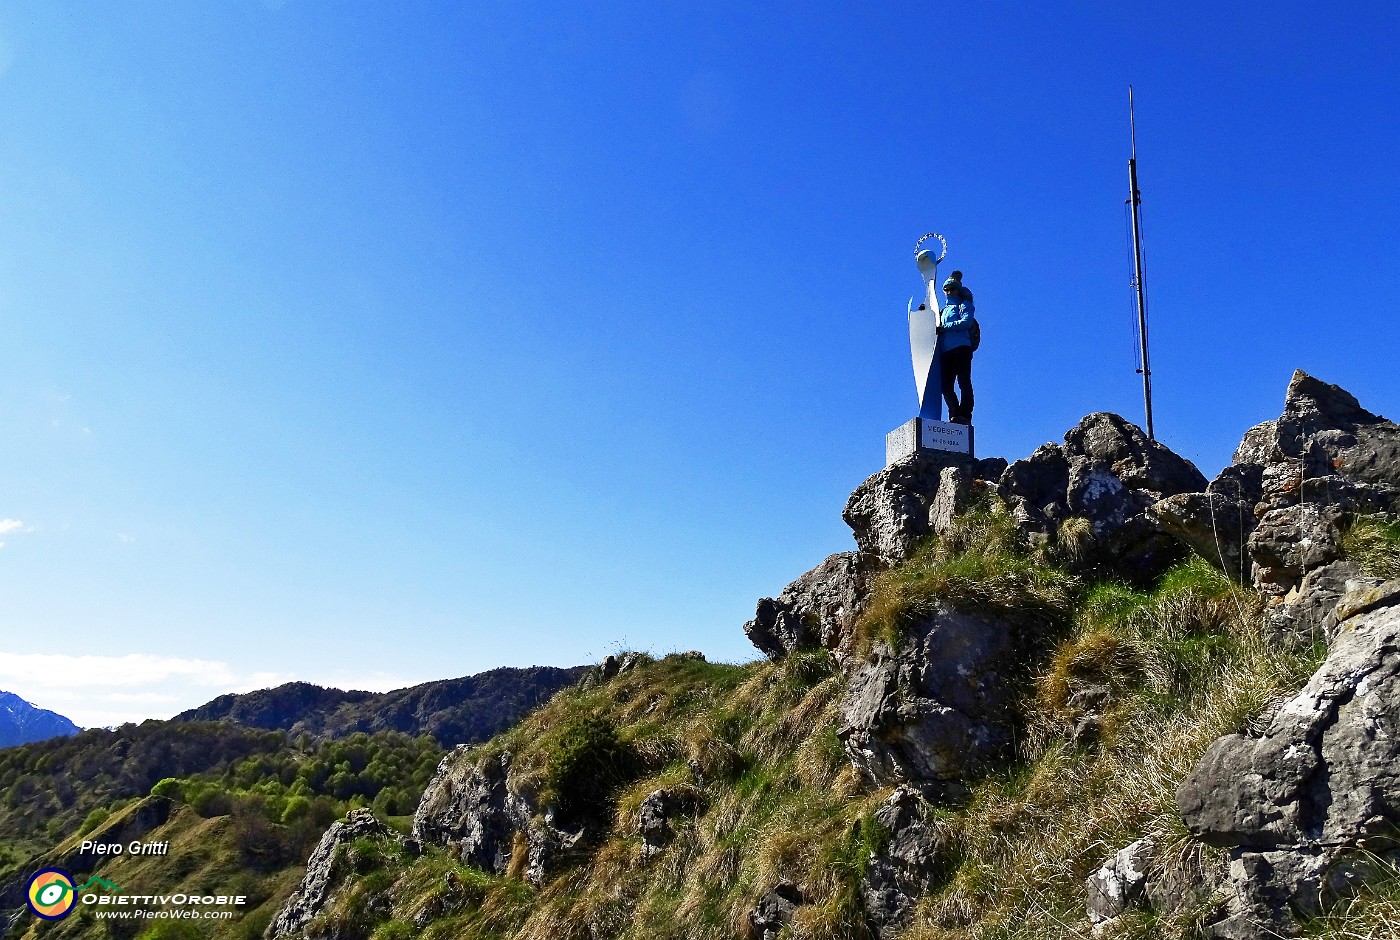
(957, 335)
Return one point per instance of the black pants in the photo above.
(957, 366)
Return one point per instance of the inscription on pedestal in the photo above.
(944, 435)
(918, 434)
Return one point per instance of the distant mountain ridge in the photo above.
(22, 722)
(453, 711)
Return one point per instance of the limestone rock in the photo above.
(1362, 596)
(1138, 462)
(613, 666)
(889, 512)
(817, 609)
(1036, 487)
(655, 814)
(468, 806)
(474, 808)
(1326, 458)
(774, 910)
(915, 854)
(1214, 526)
(956, 493)
(1325, 775)
(1109, 473)
(1312, 406)
(1325, 448)
(1290, 542)
(1259, 446)
(1121, 881)
(937, 709)
(1309, 616)
(547, 850)
(311, 896)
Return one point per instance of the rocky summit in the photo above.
(1085, 693)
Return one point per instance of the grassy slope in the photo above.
(755, 751)
(775, 797)
(239, 828)
(204, 858)
(48, 789)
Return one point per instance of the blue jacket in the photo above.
(956, 320)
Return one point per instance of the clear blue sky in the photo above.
(379, 342)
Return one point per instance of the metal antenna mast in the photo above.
(1135, 200)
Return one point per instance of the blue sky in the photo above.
(372, 343)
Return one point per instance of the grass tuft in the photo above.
(981, 566)
(1373, 542)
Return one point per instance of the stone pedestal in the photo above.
(924, 434)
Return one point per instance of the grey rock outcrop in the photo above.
(1121, 881)
(957, 491)
(472, 807)
(1109, 473)
(895, 509)
(311, 895)
(916, 853)
(1274, 516)
(934, 711)
(468, 806)
(775, 910)
(1308, 612)
(1291, 541)
(655, 814)
(890, 513)
(1324, 778)
(653, 822)
(818, 609)
(614, 665)
(1214, 526)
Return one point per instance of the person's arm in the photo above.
(956, 318)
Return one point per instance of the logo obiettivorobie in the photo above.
(51, 894)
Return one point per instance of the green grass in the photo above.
(770, 793)
(773, 795)
(1373, 542)
(981, 566)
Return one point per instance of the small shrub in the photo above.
(586, 768)
(297, 807)
(172, 930)
(1097, 658)
(170, 788)
(213, 802)
(94, 819)
(365, 855)
(261, 844)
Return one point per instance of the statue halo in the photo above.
(941, 240)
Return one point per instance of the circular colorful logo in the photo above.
(51, 895)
